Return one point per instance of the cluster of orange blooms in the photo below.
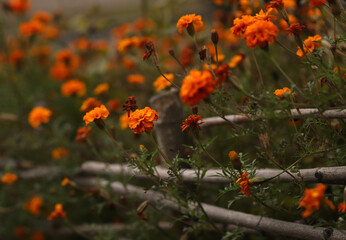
(281, 93)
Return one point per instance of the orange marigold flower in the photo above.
(342, 207)
(187, 20)
(113, 105)
(281, 93)
(50, 32)
(100, 45)
(30, 28)
(97, 113)
(295, 28)
(233, 155)
(39, 115)
(34, 205)
(42, 16)
(37, 236)
(57, 213)
(121, 30)
(101, 88)
(196, 86)
(192, 122)
(124, 121)
(128, 62)
(65, 182)
(41, 52)
(59, 153)
(218, 2)
(82, 134)
(73, 86)
(89, 104)
(284, 25)
(244, 184)
(18, 6)
(125, 44)
(236, 60)
(310, 44)
(162, 83)
(16, 57)
(9, 178)
(142, 120)
(82, 44)
(317, 3)
(292, 4)
(313, 198)
(260, 34)
(60, 71)
(240, 24)
(135, 78)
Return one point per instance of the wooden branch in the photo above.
(267, 225)
(303, 112)
(331, 175)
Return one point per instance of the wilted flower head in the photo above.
(39, 115)
(130, 105)
(141, 120)
(193, 122)
(295, 28)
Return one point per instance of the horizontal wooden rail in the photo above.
(295, 113)
(331, 175)
(266, 225)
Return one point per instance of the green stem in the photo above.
(286, 76)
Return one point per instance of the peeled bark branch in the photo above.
(331, 175)
(303, 112)
(267, 225)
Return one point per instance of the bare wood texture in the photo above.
(168, 128)
(303, 112)
(335, 175)
(267, 225)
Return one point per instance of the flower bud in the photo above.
(233, 156)
(214, 37)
